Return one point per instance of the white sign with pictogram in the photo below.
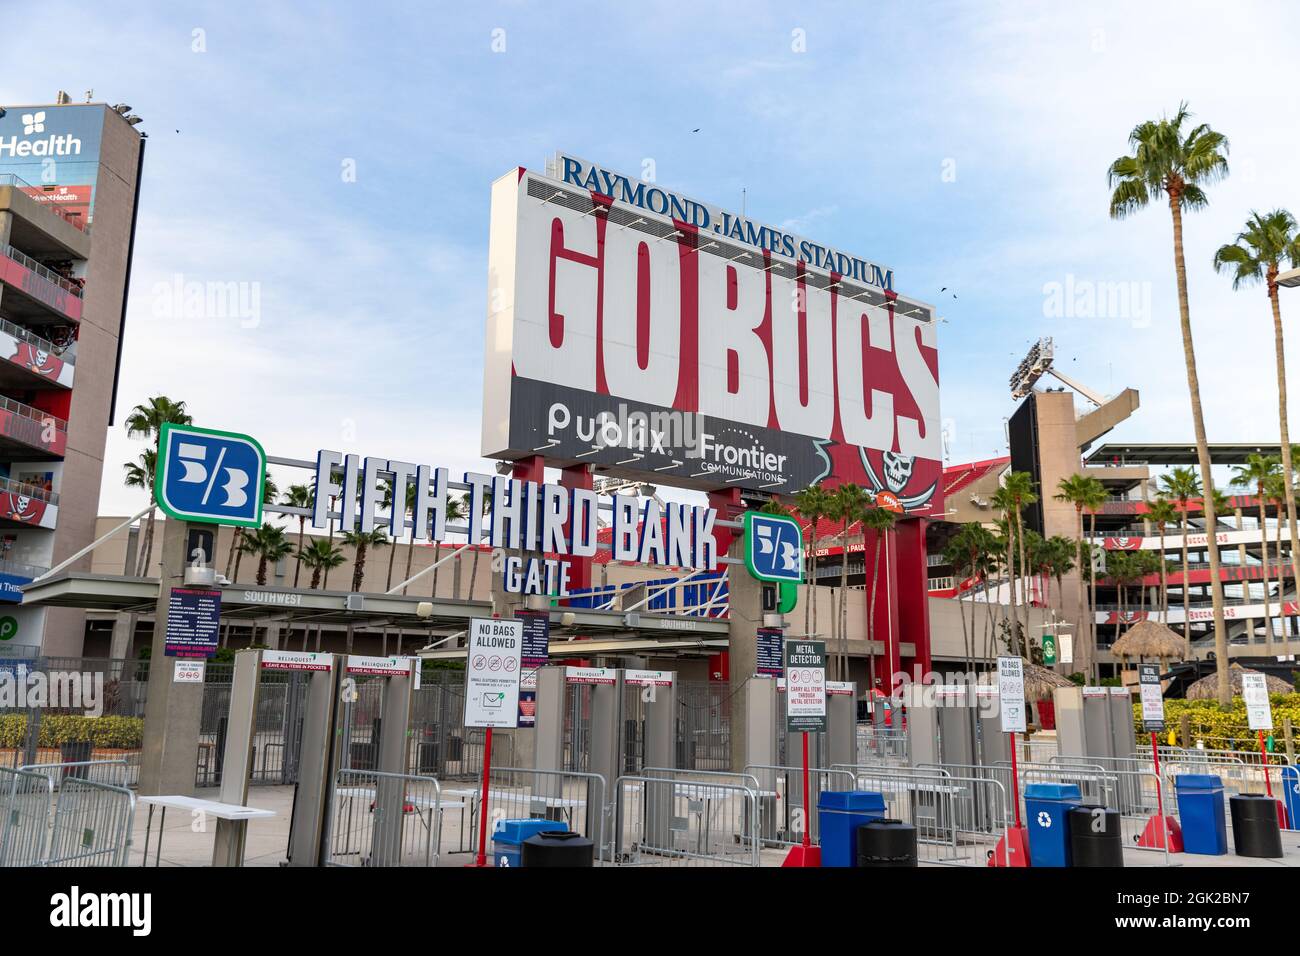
(1254, 692)
(492, 672)
(1011, 694)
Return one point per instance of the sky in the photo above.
(335, 162)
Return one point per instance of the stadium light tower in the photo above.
(1039, 363)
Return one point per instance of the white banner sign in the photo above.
(589, 675)
(1011, 694)
(1153, 701)
(492, 672)
(188, 671)
(1064, 649)
(1254, 691)
(295, 661)
(841, 687)
(648, 678)
(381, 666)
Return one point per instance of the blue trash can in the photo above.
(1046, 809)
(1200, 810)
(508, 838)
(839, 814)
(1291, 795)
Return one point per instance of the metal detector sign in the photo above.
(805, 686)
(1153, 699)
(492, 677)
(1011, 694)
(1254, 691)
(193, 622)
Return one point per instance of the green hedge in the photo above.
(1221, 729)
(56, 729)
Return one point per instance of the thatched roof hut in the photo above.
(1207, 688)
(1149, 639)
(1039, 681)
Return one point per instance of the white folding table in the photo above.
(222, 811)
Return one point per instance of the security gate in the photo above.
(704, 726)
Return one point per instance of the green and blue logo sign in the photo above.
(773, 548)
(210, 476)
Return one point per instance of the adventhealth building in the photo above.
(69, 178)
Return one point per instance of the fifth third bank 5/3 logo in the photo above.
(210, 476)
(773, 548)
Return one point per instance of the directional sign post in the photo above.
(1259, 715)
(495, 651)
(805, 710)
(1160, 831)
(210, 476)
(773, 548)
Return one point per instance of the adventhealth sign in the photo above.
(210, 476)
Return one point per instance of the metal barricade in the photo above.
(92, 825)
(876, 743)
(384, 819)
(579, 800)
(783, 817)
(959, 818)
(115, 773)
(25, 800)
(684, 818)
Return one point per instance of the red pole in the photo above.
(807, 811)
(1160, 790)
(1263, 752)
(481, 860)
(1015, 780)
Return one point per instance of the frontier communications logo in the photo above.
(33, 123)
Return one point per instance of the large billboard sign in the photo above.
(661, 338)
(54, 150)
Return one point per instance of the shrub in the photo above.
(125, 733)
(1220, 729)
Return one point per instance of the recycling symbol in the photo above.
(1044, 819)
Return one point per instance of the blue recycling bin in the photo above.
(839, 814)
(1046, 809)
(508, 838)
(1200, 810)
(1291, 795)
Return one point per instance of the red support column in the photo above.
(729, 508)
(913, 591)
(886, 628)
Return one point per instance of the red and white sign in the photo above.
(748, 368)
(381, 666)
(841, 688)
(589, 675)
(1094, 692)
(295, 661)
(648, 678)
(37, 360)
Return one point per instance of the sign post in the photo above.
(491, 695)
(1259, 717)
(805, 710)
(1161, 832)
(1013, 848)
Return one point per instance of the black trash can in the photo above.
(557, 848)
(1095, 838)
(886, 843)
(1254, 826)
(76, 751)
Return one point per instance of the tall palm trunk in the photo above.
(1090, 655)
(1011, 586)
(1164, 580)
(1202, 451)
(1187, 617)
(810, 609)
(410, 552)
(1288, 484)
(297, 564)
(1023, 643)
(1263, 544)
(392, 556)
(844, 606)
(1078, 563)
(871, 619)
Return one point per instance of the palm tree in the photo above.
(1257, 255)
(1057, 561)
(1085, 493)
(269, 544)
(237, 549)
(473, 571)
(1181, 484)
(139, 474)
(1161, 512)
(146, 421)
(813, 503)
(299, 496)
(849, 503)
(1166, 163)
(361, 542)
(320, 556)
(881, 521)
(1258, 472)
(455, 512)
(1020, 485)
